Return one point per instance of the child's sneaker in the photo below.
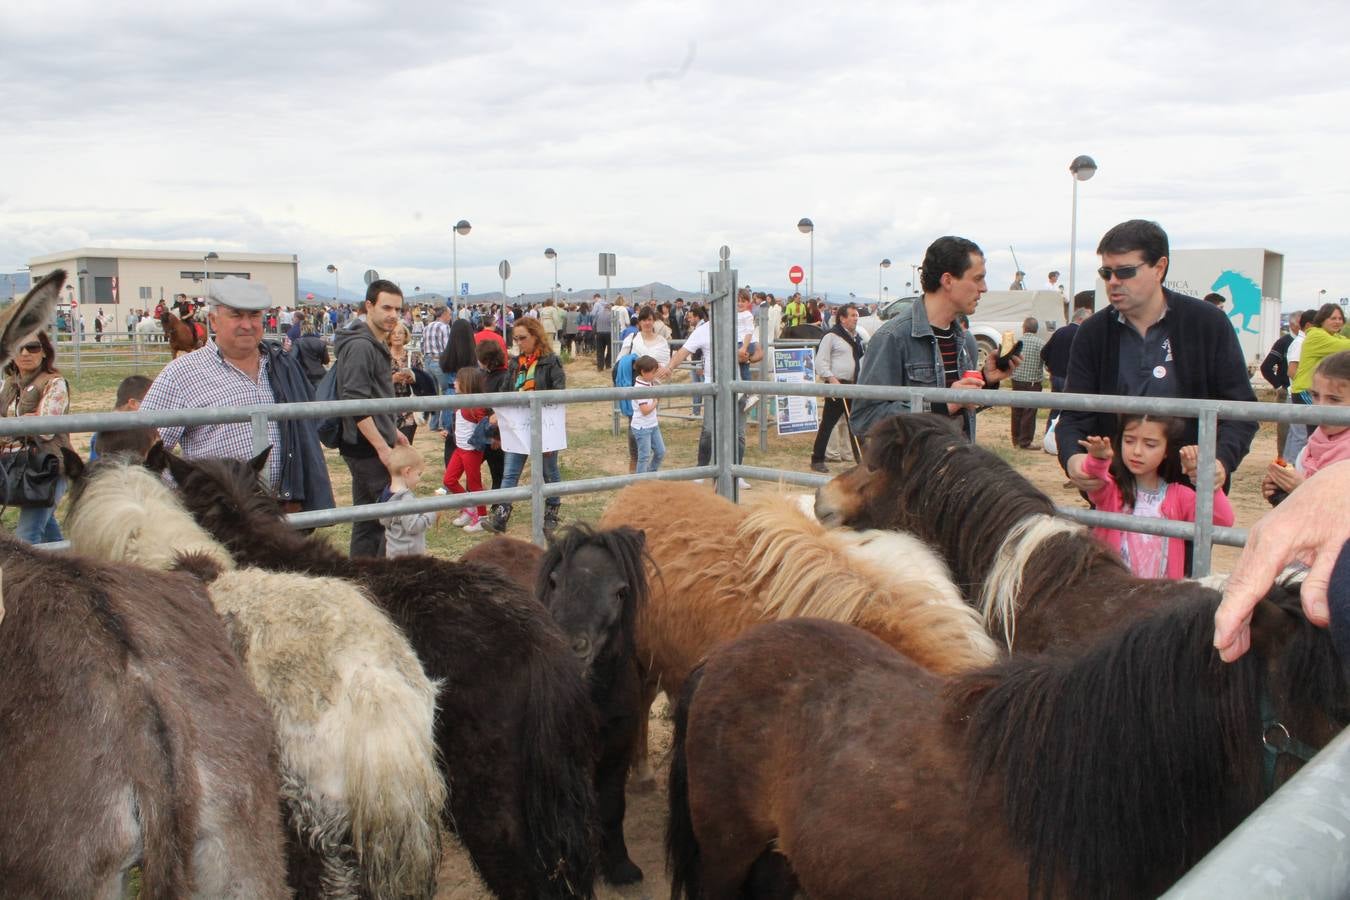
(441, 492)
(475, 526)
(465, 518)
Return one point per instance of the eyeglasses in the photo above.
(1124, 273)
(34, 347)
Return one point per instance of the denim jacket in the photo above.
(904, 352)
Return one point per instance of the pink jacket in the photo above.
(1178, 505)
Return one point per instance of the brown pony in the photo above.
(717, 568)
(131, 734)
(518, 560)
(183, 337)
(811, 749)
(1039, 581)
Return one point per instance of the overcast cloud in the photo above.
(356, 133)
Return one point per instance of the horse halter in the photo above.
(1276, 741)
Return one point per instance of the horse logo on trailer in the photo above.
(1246, 296)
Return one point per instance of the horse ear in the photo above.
(72, 463)
(259, 462)
(156, 458)
(178, 467)
(1273, 627)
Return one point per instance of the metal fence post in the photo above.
(724, 367)
(537, 470)
(1204, 494)
(765, 370)
(260, 441)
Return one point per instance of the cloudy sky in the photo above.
(357, 133)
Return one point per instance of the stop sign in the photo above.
(795, 274)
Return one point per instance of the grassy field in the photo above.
(594, 451)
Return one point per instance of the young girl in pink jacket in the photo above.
(1144, 480)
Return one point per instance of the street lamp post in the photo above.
(806, 226)
(1082, 168)
(885, 264)
(550, 253)
(336, 292)
(461, 227)
(206, 274)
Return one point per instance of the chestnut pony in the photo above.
(183, 337)
(1106, 773)
(1039, 581)
(717, 568)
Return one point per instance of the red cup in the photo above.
(973, 373)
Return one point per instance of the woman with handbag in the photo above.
(35, 387)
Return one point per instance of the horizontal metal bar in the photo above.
(1296, 844)
(1232, 537)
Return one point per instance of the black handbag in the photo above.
(28, 477)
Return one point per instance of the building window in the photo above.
(145, 294)
(199, 275)
(103, 289)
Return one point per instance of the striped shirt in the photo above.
(204, 379)
(434, 338)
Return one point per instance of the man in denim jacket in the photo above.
(926, 346)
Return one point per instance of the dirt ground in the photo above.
(593, 450)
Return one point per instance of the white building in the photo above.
(120, 281)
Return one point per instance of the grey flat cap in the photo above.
(239, 293)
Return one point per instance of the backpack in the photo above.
(330, 428)
(623, 377)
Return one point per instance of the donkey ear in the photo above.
(72, 463)
(1273, 627)
(259, 462)
(30, 315)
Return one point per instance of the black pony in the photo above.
(514, 725)
(594, 584)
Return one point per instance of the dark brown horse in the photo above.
(518, 560)
(183, 337)
(1039, 581)
(129, 733)
(514, 725)
(594, 585)
(811, 749)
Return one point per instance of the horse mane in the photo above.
(121, 511)
(955, 494)
(627, 547)
(796, 567)
(1115, 764)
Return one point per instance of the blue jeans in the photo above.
(697, 378)
(651, 448)
(433, 368)
(1298, 434)
(37, 524)
(515, 462)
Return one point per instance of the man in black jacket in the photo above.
(1151, 342)
(1275, 369)
(365, 371)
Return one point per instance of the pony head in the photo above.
(919, 474)
(593, 584)
(224, 495)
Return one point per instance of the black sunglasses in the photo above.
(34, 347)
(1124, 273)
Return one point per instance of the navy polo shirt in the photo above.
(1147, 368)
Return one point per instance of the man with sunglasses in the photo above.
(1151, 342)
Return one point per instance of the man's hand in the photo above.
(1080, 478)
(1311, 525)
(400, 439)
(382, 450)
(993, 374)
(964, 384)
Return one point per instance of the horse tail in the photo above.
(561, 736)
(682, 853)
(395, 792)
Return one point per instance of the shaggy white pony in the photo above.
(352, 707)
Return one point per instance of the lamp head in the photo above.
(885, 263)
(1083, 167)
(332, 269)
(550, 253)
(463, 226)
(806, 226)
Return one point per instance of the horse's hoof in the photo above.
(625, 872)
(638, 784)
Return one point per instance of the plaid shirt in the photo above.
(203, 379)
(434, 338)
(1030, 369)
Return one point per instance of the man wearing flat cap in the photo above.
(238, 368)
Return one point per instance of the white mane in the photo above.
(1003, 584)
(128, 513)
